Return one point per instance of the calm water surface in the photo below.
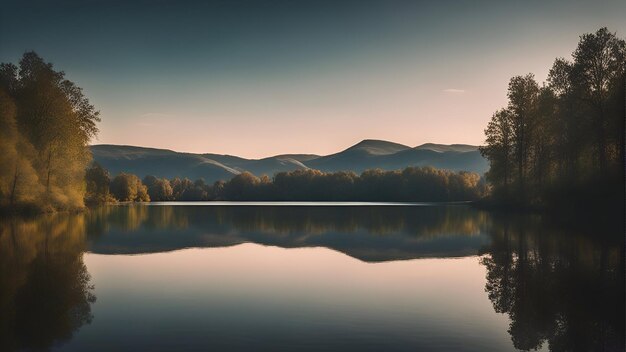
(333, 277)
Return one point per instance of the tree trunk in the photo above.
(14, 186)
(601, 141)
(622, 109)
(506, 176)
(520, 163)
(49, 165)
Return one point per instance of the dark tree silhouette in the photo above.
(565, 140)
(413, 184)
(159, 189)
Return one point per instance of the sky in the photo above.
(257, 78)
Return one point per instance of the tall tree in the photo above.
(567, 137)
(18, 179)
(522, 94)
(58, 121)
(598, 68)
(570, 140)
(499, 148)
(545, 128)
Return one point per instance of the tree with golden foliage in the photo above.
(129, 188)
(48, 124)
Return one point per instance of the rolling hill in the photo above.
(367, 154)
(371, 154)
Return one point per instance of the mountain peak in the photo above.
(379, 147)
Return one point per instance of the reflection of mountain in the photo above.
(366, 233)
(563, 289)
(45, 292)
(368, 154)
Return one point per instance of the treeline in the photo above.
(561, 143)
(45, 125)
(410, 184)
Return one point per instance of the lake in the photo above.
(308, 277)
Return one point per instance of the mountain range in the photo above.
(367, 154)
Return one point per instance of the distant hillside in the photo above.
(159, 162)
(371, 154)
(448, 147)
(367, 154)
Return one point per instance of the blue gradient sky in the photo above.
(257, 78)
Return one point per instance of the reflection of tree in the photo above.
(564, 289)
(417, 221)
(45, 291)
(367, 233)
(131, 218)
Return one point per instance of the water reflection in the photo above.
(366, 233)
(45, 291)
(561, 288)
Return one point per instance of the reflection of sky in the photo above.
(366, 233)
(267, 297)
(256, 78)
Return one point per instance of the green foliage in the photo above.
(565, 136)
(47, 124)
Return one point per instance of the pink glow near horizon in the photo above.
(449, 102)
